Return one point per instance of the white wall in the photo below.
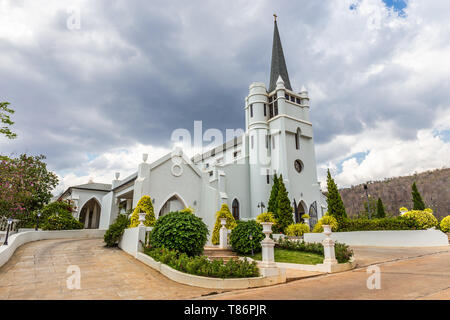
(388, 238)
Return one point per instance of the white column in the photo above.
(223, 233)
(87, 217)
(268, 247)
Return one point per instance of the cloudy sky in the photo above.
(97, 83)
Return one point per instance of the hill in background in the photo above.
(434, 186)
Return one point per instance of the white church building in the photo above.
(278, 139)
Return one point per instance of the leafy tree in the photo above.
(380, 209)
(418, 203)
(230, 225)
(25, 185)
(272, 205)
(6, 120)
(283, 212)
(335, 205)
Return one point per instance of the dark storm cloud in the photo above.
(136, 71)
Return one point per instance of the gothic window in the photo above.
(251, 110)
(235, 209)
(265, 112)
(271, 110)
(286, 96)
(276, 108)
(297, 139)
(292, 98)
(268, 177)
(267, 141)
(298, 100)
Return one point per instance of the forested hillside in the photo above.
(434, 186)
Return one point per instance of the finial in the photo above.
(117, 175)
(275, 17)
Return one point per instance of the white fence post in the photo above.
(328, 247)
(223, 234)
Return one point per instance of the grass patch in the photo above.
(292, 256)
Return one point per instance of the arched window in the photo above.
(297, 139)
(235, 209)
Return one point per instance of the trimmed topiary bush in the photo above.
(420, 220)
(445, 224)
(115, 231)
(180, 231)
(230, 225)
(297, 229)
(144, 205)
(239, 238)
(327, 220)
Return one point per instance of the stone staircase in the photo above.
(216, 253)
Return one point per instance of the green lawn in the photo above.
(292, 256)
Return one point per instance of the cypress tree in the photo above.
(418, 203)
(335, 205)
(272, 205)
(380, 209)
(283, 213)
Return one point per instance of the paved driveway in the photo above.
(38, 270)
(406, 273)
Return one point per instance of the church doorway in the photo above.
(301, 210)
(90, 214)
(171, 205)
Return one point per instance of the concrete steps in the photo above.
(216, 253)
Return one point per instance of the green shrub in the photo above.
(445, 224)
(420, 220)
(62, 221)
(144, 205)
(239, 238)
(342, 251)
(201, 266)
(326, 220)
(231, 223)
(297, 230)
(115, 230)
(180, 231)
(365, 224)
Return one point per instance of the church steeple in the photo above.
(278, 65)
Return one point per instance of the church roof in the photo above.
(94, 186)
(278, 65)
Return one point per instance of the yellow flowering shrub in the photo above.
(188, 209)
(144, 205)
(403, 209)
(445, 224)
(326, 220)
(231, 223)
(421, 219)
(428, 210)
(297, 229)
(305, 216)
(265, 217)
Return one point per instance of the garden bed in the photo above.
(292, 256)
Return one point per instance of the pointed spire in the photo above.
(278, 67)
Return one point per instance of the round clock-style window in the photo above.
(298, 165)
